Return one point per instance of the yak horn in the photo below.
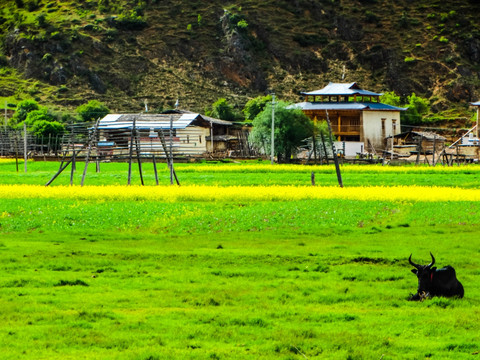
(433, 261)
(412, 263)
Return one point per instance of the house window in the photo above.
(383, 127)
(394, 126)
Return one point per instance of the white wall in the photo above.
(372, 126)
(351, 148)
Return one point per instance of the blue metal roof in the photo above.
(346, 106)
(476, 103)
(341, 89)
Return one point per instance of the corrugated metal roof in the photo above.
(423, 134)
(341, 89)
(155, 121)
(476, 103)
(345, 106)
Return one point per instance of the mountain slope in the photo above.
(123, 53)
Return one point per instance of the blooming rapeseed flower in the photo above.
(239, 193)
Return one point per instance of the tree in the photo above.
(255, 106)
(391, 98)
(93, 110)
(42, 122)
(221, 109)
(23, 109)
(417, 107)
(291, 127)
(45, 128)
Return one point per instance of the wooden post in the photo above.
(25, 149)
(419, 150)
(458, 160)
(335, 158)
(130, 155)
(155, 168)
(434, 149)
(312, 178)
(72, 170)
(138, 151)
(97, 158)
(16, 151)
(324, 147)
(167, 156)
(63, 167)
(91, 139)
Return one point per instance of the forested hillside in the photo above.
(64, 53)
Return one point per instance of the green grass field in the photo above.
(310, 279)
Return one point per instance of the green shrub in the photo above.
(93, 110)
(130, 21)
(371, 17)
(33, 5)
(242, 24)
(42, 20)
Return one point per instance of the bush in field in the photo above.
(93, 110)
(292, 126)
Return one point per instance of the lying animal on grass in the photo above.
(435, 282)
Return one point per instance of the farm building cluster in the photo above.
(362, 126)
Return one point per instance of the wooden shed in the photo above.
(408, 142)
(190, 134)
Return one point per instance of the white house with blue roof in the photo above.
(357, 116)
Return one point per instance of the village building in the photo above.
(189, 134)
(412, 142)
(360, 122)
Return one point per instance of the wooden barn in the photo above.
(189, 134)
(410, 142)
(357, 116)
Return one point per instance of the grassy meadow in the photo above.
(243, 261)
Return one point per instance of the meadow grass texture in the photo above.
(234, 269)
(253, 174)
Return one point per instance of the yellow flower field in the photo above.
(347, 168)
(238, 193)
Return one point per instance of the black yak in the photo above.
(435, 282)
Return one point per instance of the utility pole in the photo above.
(273, 128)
(171, 150)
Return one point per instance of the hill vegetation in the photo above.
(123, 53)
